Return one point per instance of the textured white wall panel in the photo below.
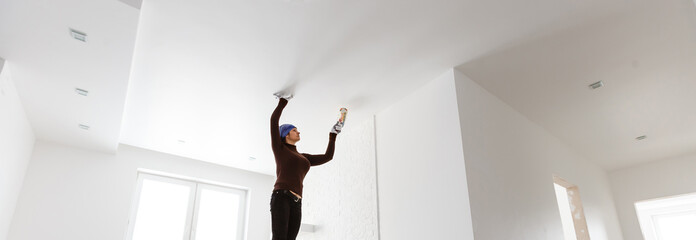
(340, 197)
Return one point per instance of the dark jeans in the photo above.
(286, 214)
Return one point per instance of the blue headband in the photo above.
(285, 129)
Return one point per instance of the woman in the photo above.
(291, 168)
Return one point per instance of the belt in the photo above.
(289, 193)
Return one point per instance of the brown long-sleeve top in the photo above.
(292, 166)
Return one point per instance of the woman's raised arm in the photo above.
(275, 118)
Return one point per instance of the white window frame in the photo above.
(647, 210)
(196, 185)
(241, 234)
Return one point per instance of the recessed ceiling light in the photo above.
(84, 127)
(641, 137)
(78, 35)
(81, 91)
(596, 85)
(181, 141)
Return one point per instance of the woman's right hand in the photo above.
(287, 96)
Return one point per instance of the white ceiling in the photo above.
(195, 78)
(645, 58)
(47, 65)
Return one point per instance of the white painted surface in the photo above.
(422, 179)
(16, 145)
(664, 178)
(340, 197)
(76, 194)
(204, 71)
(668, 218)
(510, 163)
(48, 64)
(645, 55)
(133, 3)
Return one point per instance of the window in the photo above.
(671, 218)
(167, 208)
(570, 208)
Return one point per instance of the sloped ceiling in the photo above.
(645, 58)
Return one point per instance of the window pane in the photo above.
(161, 211)
(678, 226)
(668, 218)
(218, 215)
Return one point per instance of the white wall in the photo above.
(421, 174)
(340, 197)
(658, 179)
(509, 167)
(16, 144)
(71, 193)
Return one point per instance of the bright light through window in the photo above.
(671, 218)
(176, 209)
(678, 226)
(162, 211)
(218, 215)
